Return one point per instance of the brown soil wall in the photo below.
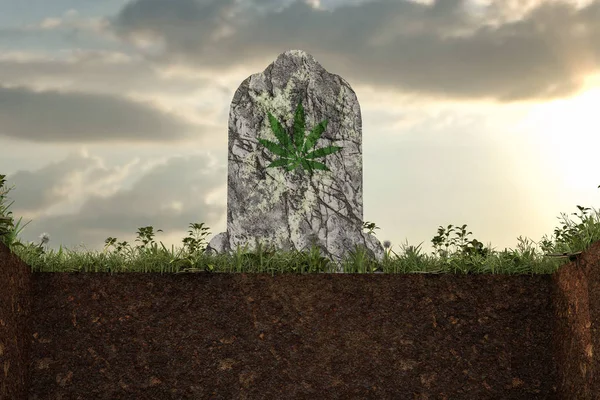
(326, 336)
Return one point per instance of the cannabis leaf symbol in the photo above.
(295, 154)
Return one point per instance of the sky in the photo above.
(114, 114)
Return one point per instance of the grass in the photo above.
(468, 256)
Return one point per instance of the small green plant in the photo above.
(189, 256)
(294, 153)
(194, 246)
(8, 231)
(370, 226)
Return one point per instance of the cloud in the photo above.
(56, 33)
(439, 49)
(104, 207)
(96, 71)
(56, 116)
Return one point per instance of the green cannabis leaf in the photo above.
(295, 154)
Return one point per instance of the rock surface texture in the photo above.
(278, 199)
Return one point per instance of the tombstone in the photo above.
(277, 196)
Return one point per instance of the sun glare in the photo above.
(568, 133)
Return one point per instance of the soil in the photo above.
(313, 336)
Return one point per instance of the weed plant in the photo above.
(467, 257)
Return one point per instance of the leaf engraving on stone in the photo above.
(294, 153)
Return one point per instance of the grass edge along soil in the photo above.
(570, 241)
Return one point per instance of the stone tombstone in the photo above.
(296, 193)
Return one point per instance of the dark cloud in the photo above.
(182, 22)
(99, 72)
(438, 50)
(65, 116)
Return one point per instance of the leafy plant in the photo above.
(370, 226)
(8, 231)
(145, 235)
(194, 245)
(294, 153)
(474, 247)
